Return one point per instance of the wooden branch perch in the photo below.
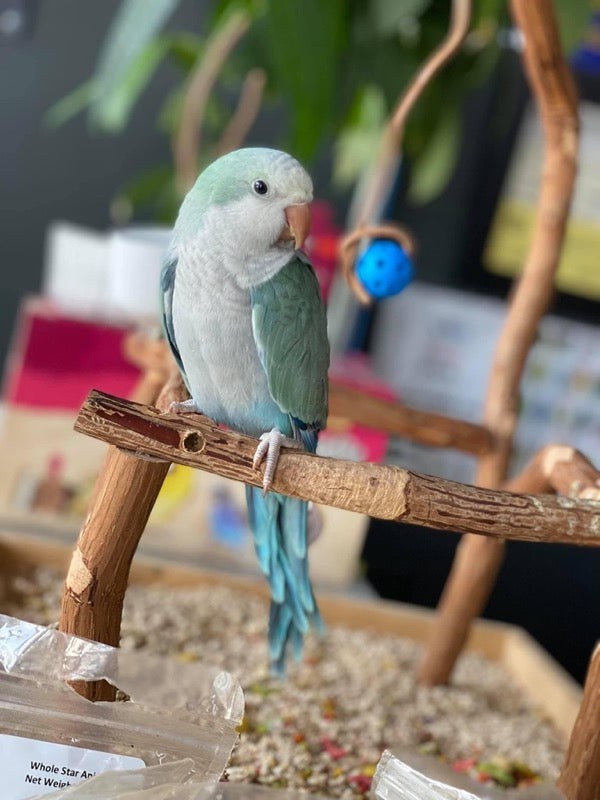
(560, 469)
(346, 402)
(391, 142)
(460, 20)
(378, 490)
(92, 603)
(554, 91)
(186, 142)
(148, 355)
(145, 442)
(398, 419)
(124, 495)
(246, 112)
(477, 561)
(579, 777)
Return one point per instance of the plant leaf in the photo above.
(572, 17)
(432, 170)
(152, 193)
(144, 188)
(358, 142)
(68, 106)
(305, 41)
(390, 16)
(113, 112)
(184, 49)
(135, 25)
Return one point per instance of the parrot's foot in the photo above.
(268, 450)
(184, 407)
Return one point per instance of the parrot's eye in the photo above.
(260, 187)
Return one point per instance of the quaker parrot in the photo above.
(246, 323)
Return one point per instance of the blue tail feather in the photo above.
(263, 518)
(280, 620)
(279, 527)
(293, 521)
(297, 644)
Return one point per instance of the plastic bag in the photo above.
(394, 779)
(178, 729)
(254, 791)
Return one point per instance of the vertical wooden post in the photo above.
(477, 562)
(152, 357)
(92, 603)
(124, 496)
(476, 565)
(579, 777)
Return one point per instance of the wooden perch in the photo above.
(398, 419)
(477, 561)
(186, 142)
(560, 469)
(92, 604)
(124, 496)
(145, 442)
(381, 491)
(163, 379)
(384, 171)
(579, 778)
(148, 355)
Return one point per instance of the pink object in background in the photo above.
(56, 359)
(322, 244)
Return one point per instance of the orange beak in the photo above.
(297, 224)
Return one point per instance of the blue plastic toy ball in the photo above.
(384, 269)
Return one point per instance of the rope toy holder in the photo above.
(350, 244)
(460, 19)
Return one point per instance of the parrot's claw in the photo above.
(268, 450)
(184, 407)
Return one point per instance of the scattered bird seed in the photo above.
(354, 694)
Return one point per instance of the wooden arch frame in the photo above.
(145, 442)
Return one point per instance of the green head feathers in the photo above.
(249, 174)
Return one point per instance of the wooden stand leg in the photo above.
(474, 571)
(579, 778)
(92, 605)
(478, 563)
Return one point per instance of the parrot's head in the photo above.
(252, 200)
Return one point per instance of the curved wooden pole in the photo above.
(145, 442)
(460, 19)
(579, 777)
(162, 378)
(477, 561)
(393, 417)
(245, 113)
(124, 496)
(391, 143)
(560, 469)
(186, 142)
(92, 603)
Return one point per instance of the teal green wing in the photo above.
(290, 330)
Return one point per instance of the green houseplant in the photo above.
(337, 67)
